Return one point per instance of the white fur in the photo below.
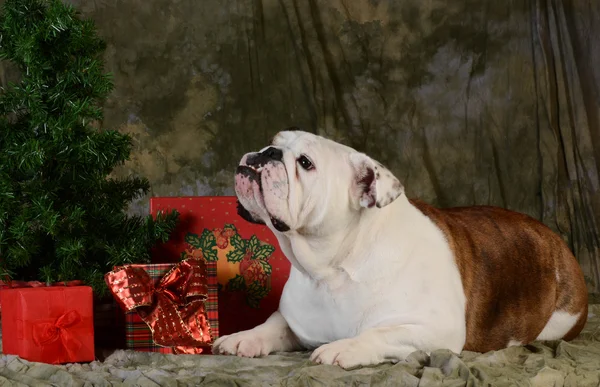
(558, 326)
(272, 336)
(405, 277)
(367, 284)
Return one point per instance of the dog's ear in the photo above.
(373, 184)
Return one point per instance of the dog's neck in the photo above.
(333, 251)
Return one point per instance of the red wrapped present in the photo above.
(49, 324)
(170, 308)
(251, 268)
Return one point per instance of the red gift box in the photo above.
(251, 268)
(49, 324)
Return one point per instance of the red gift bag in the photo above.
(50, 324)
(251, 268)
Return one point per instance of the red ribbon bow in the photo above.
(45, 333)
(173, 308)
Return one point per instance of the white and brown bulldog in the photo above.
(376, 276)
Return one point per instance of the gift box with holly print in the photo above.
(251, 268)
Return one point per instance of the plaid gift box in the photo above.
(137, 333)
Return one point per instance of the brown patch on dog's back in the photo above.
(509, 263)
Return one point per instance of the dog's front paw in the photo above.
(346, 353)
(244, 344)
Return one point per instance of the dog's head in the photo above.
(305, 182)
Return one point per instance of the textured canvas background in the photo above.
(467, 101)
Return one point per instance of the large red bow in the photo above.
(173, 308)
(45, 333)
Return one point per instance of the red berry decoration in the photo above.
(228, 233)
(222, 242)
(246, 261)
(194, 253)
(248, 275)
(254, 273)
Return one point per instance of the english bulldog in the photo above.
(376, 276)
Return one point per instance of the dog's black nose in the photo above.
(273, 153)
(260, 159)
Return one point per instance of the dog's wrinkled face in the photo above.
(305, 182)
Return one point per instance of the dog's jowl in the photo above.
(376, 276)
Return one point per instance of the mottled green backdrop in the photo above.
(467, 101)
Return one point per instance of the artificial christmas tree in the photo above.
(62, 217)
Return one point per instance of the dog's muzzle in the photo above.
(252, 170)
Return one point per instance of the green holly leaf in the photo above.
(193, 240)
(235, 255)
(207, 239)
(264, 252)
(229, 226)
(254, 244)
(257, 290)
(207, 244)
(183, 255)
(211, 255)
(237, 242)
(236, 283)
(266, 267)
(253, 302)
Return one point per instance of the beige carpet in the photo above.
(576, 363)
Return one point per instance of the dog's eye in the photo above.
(305, 163)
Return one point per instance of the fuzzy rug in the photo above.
(575, 363)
